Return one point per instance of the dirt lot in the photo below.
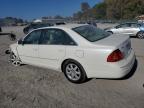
(32, 87)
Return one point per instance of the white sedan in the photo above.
(79, 51)
(131, 29)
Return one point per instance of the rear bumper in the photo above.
(125, 70)
(125, 67)
(116, 70)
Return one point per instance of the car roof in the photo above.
(70, 26)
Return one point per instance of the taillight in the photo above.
(115, 56)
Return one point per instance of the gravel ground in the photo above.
(33, 87)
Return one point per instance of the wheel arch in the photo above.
(70, 59)
(139, 32)
(84, 77)
(110, 31)
(62, 64)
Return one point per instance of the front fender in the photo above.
(13, 48)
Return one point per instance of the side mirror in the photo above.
(21, 42)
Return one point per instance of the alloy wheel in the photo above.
(73, 72)
(14, 60)
(141, 35)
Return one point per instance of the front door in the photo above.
(28, 51)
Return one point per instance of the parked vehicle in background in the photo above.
(12, 36)
(131, 29)
(32, 26)
(80, 51)
(92, 23)
(60, 23)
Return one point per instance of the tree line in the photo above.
(111, 10)
(105, 10)
(7, 21)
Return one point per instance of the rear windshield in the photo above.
(91, 33)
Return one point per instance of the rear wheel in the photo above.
(140, 35)
(14, 59)
(110, 32)
(74, 72)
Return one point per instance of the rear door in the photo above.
(28, 51)
(52, 48)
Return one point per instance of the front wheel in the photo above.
(140, 35)
(74, 72)
(14, 59)
(110, 32)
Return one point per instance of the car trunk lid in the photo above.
(120, 42)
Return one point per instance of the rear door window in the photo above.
(56, 37)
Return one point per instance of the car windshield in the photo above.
(91, 33)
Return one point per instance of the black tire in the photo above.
(0, 29)
(140, 35)
(110, 32)
(82, 74)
